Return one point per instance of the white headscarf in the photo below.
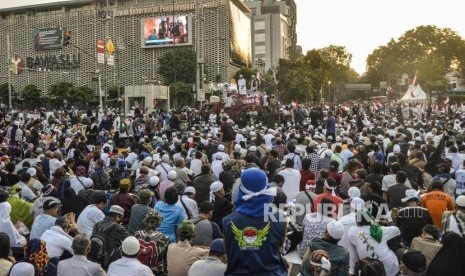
(6, 226)
(215, 187)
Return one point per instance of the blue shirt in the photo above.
(41, 224)
(172, 216)
(331, 125)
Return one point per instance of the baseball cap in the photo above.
(49, 204)
(131, 246)
(409, 195)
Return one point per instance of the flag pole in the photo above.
(9, 70)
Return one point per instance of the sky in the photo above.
(364, 25)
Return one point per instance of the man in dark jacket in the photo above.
(116, 233)
(338, 255)
(202, 184)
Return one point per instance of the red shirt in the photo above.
(335, 199)
(305, 176)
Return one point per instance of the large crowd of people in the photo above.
(359, 189)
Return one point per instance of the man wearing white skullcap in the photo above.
(338, 255)
(128, 264)
(221, 206)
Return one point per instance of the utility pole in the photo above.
(107, 17)
(200, 49)
(10, 105)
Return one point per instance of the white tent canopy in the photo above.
(414, 94)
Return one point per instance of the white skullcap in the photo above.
(189, 189)
(147, 161)
(329, 153)
(396, 149)
(22, 269)
(131, 246)
(88, 182)
(460, 201)
(215, 187)
(237, 147)
(221, 147)
(154, 181)
(253, 148)
(165, 158)
(324, 145)
(335, 229)
(354, 192)
(31, 171)
(172, 175)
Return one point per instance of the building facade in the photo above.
(210, 27)
(273, 31)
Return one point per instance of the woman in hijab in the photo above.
(7, 227)
(449, 259)
(20, 209)
(36, 254)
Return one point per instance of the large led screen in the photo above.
(165, 31)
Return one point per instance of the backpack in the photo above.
(369, 267)
(98, 246)
(148, 254)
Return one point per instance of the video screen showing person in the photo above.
(166, 30)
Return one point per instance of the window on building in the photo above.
(259, 25)
(259, 50)
(259, 38)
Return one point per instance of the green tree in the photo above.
(59, 92)
(4, 93)
(294, 81)
(180, 94)
(268, 82)
(81, 95)
(247, 74)
(430, 50)
(32, 96)
(179, 65)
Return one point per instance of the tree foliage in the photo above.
(81, 94)
(58, 93)
(32, 96)
(430, 50)
(303, 78)
(180, 94)
(4, 96)
(179, 65)
(268, 82)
